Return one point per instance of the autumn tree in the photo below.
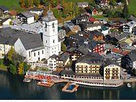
(22, 3)
(21, 68)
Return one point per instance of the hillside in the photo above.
(132, 7)
(11, 4)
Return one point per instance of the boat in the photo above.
(128, 85)
(45, 83)
(27, 80)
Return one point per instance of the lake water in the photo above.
(13, 87)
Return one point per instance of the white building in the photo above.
(36, 11)
(26, 17)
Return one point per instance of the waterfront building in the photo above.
(89, 64)
(112, 72)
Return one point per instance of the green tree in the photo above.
(63, 47)
(12, 69)
(10, 53)
(125, 11)
(37, 2)
(26, 67)
(27, 4)
(113, 2)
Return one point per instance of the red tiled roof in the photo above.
(116, 50)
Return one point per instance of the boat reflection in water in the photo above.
(13, 87)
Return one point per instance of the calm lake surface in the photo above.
(13, 87)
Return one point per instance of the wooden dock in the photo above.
(70, 91)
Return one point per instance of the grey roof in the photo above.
(10, 36)
(27, 14)
(109, 61)
(67, 72)
(3, 8)
(49, 16)
(132, 55)
(121, 36)
(132, 18)
(36, 9)
(91, 58)
(64, 56)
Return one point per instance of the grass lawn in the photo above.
(11, 4)
(132, 7)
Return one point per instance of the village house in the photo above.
(37, 11)
(97, 36)
(83, 4)
(80, 19)
(100, 49)
(26, 17)
(95, 12)
(72, 27)
(112, 72)
(52, 62)
(90, 27)
(3, 10)
(128, 27)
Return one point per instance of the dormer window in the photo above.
(53, 26)
(45, 25)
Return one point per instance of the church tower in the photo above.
(50, 35)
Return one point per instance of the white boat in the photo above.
(27, 80)
(128, 85)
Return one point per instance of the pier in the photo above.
(69, 87)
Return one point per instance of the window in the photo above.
(29, 54)
(38, 53)
(46, 41)
(42, 52)
(53, 26)
(34, 54)
(45, 25)
(53, 41)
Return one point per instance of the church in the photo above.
(34, 47)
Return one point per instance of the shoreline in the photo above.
(1, 69)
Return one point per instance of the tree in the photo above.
(12, 69)
(63, 47)
(21, 68)
(113, 2)
(26, 67)
(125, 11)
(31, 3)
(10, 54)
(22, 3)
(27, 3)
(37, 2)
